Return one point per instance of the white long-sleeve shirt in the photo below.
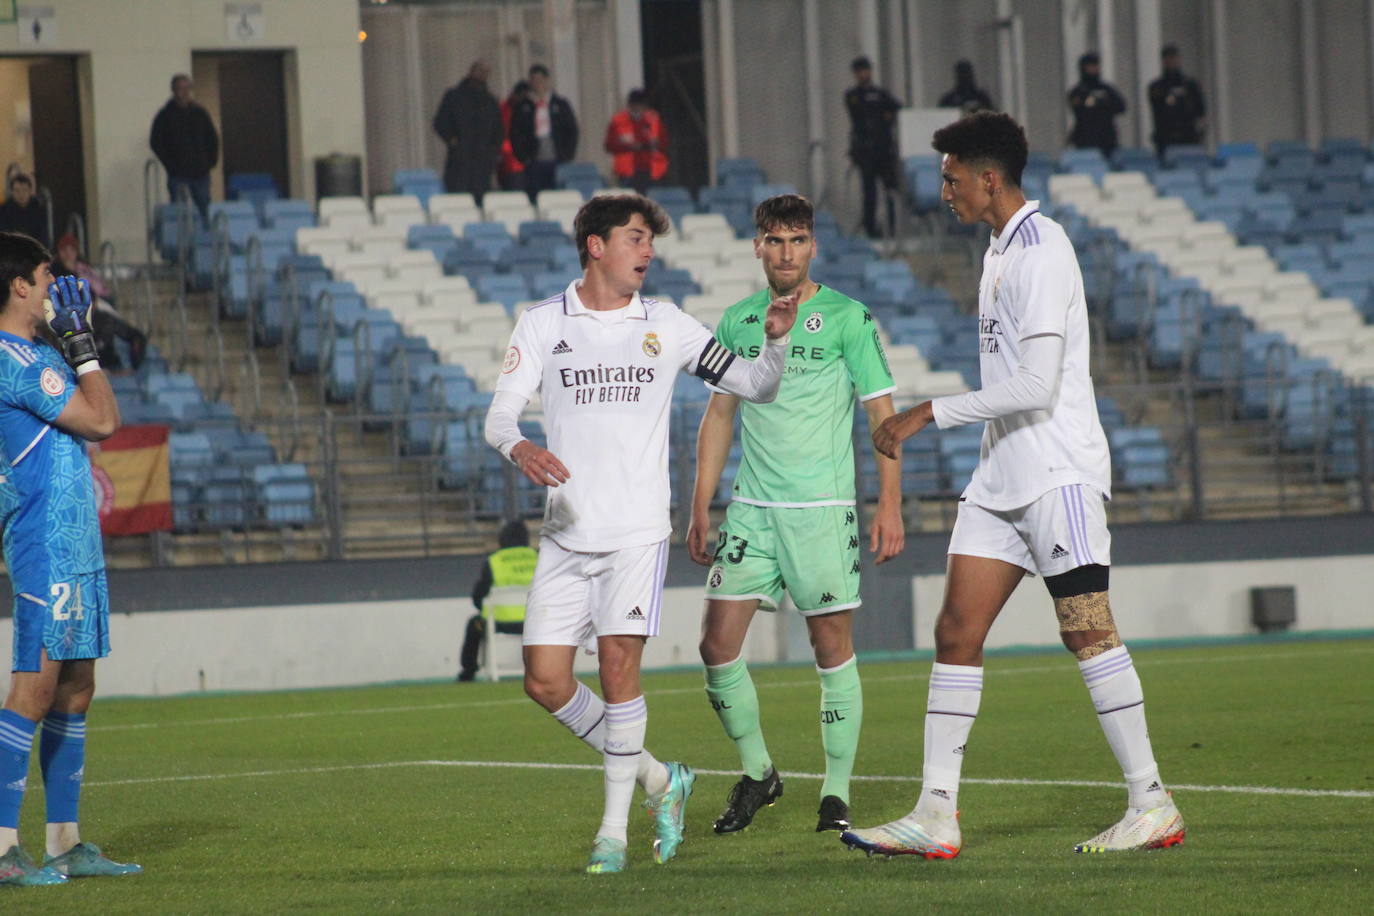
(606, 381)
(1042, 430)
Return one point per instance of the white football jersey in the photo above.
(1032, 285)
(606, 381)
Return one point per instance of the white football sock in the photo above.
(1120, 703)
(951, 706)
(585, 716)
(626, 724)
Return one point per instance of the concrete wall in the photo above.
(295, 625)
(131, 48)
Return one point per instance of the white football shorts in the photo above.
(1062, 530)
(577, 595)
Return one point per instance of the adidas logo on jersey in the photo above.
(562, 348)
(635, 614)
(1058, 552)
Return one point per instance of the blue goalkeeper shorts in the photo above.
(70, 619)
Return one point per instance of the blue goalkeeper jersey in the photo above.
(47, 497)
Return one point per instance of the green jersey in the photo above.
(798, 449)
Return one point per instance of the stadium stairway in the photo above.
(384, 506)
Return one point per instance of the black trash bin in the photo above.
(337, 175)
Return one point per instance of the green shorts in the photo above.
(812, 552)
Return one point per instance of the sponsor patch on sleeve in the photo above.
(51, 382)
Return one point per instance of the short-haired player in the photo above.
(1035, 503)
(52, 401)
(792, 523)
(604, 361)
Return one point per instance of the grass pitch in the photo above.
(444, 798)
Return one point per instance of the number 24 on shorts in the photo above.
(66, 601)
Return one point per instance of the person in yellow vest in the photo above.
(499, 592)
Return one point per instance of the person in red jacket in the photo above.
(637, 139)
(510, 171)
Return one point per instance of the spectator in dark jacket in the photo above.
(187, 144)
(1176, 103)
(469, 123)
(543, 132)
(22, 211)
(966, 94)
(1095, 106)
(872, 140)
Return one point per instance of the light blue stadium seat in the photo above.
(285, 494)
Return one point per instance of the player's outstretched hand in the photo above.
(899, 427)
(697, 534)
(538, 464)
(68, 306)
(782, 314)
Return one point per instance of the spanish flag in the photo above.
(133, 483)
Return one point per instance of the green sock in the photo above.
(732, 695)
(842, 713)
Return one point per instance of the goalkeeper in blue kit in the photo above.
(53, 399)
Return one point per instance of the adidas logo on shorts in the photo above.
(635, 614)
(1058, 552)
(561, 348)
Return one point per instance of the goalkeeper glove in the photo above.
(68, 311)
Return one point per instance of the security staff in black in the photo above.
(499, 593)
(872, 140)
(1176, 103)
(1095, 106)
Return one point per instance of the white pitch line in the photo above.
(674, 691)
(790, 774)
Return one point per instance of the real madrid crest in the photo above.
(651, 345)
(814, 322)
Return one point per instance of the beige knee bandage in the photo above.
(1082, 613)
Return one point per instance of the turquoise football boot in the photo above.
(669, 809)
(84, 860)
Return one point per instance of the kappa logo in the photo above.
(1058, 552)
(827, 598)
(853, 542)
(751, 319)
(562, 348)
(635, 614)
(814, 322)
(855, 567)
(849, 518)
